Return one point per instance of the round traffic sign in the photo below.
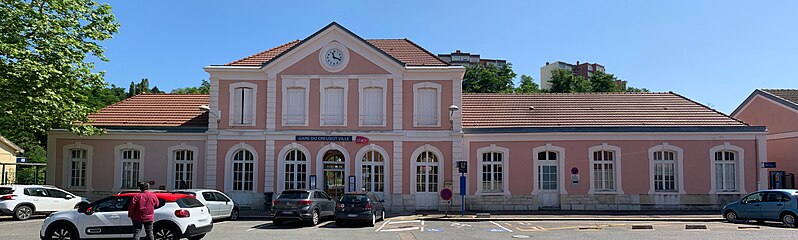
(446, 194)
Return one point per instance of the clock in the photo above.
(333, 57)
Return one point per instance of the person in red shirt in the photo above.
(141, 210)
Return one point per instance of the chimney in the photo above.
(547, 63)
(457, 51)
(577, 62)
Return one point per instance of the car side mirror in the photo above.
(69, 197)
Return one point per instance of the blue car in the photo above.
(766, 205)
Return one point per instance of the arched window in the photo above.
(604, 171)
(726, 171)
(243, 169)
(296, 170)
(427, 172)
(373, 170)
(665, 171)
(184, 169)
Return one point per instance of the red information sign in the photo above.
(446, 194)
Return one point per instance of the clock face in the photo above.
(333, 57)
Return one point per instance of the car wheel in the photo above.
(165, 232)
(731, 217)
(789, 219)
(60, 232)
(373, 220)
(314, 218)
(234, 214)
(23, 212)
(198, 237)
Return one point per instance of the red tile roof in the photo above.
(787, 94)
(154, 110)
(588, 110)
(402, 50)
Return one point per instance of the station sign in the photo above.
(769, 165)
(324, 138)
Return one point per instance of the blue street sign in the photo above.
(462, 185)
(769, 165)
(22, 160)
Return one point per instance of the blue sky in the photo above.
(714, 52)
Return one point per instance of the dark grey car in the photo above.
(304, 205)
(359, 207)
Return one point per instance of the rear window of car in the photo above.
(354, 198)
(188, 202)
(182, 192)
(294, 195)
(6, 190)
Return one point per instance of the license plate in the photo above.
(352, 215)
(287, 212)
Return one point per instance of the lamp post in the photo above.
(452, 109)
(207, 109)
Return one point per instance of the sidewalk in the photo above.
(693, 216)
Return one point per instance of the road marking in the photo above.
(383, 225)
(400, 229)
(408, 221)
(531, 229)
(14, 222)
(502, 227)
(422, 225)
(250, 229)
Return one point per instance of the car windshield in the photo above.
(294, 195)
(184, 192)
(188, 202)
(6, 190)
(354, 198)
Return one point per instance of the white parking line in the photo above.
(422, 225)
(408, 221)
(383, 225)
(400, 229)
(502, 227)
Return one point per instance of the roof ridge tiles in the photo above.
(263, 52)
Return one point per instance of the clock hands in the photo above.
(333, 56)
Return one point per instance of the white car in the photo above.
(177, 216)
(22, 201)
(220, 205)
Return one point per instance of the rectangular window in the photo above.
(131, 166)
(78, 168)
(492, 172)
(333, 112)
(604, 171)
(427, 107)
(373, 107)
(242, 104)
(184, 169)
(665, 171)
(725, 171)
(295, 106)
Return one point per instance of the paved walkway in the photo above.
(694, 216)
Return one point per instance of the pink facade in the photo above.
(278, 120)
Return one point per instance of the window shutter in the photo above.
(427, 106)
(373, 106)
(247, 108)
(235, 112)
(333, 106)
(295, 114)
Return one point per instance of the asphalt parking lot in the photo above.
(408, 228)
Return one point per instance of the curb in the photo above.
(577, 219)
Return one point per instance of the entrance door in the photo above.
(427, 181)
(548, 179)
(334, 166)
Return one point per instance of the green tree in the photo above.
(100, 97)
(44, 66)
(489, 79)
(143, 86)
(603, 82)
(527, 85)
(564, 81)
(132, 90)
(204, 88)
(634, 89)
(27, 174)
(156, 90)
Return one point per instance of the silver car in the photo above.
(218, 203)
(303, 205)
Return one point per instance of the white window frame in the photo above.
(679, 168)
(740, 167)
(616, 168)
(228, 176)
(416, 100)
(233, 114)
(560, 166)
(295, 83)
(171, 151)
(281, 164)
(118, 163)
(372, 83)
(413, 164)
(67, 169)
(326, 83)
(505, 169)
(385, 165)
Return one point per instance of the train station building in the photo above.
(337, 112)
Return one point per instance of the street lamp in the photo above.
(207, 109)
(452, 109)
